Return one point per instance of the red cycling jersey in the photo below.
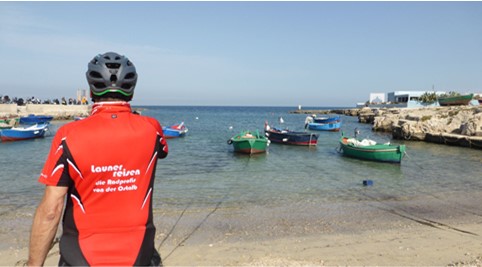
(108, 162)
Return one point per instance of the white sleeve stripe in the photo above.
(147, 197)
(59, 148)
(77, 170)
(152, 159)
(60, 166)
(78, 202)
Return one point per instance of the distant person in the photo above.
(6, 99)
(103, 168)
(308, 120)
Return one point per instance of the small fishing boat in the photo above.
(248, 142)
(35, 119)
(455, 100)
(326, 119)
(24, 133)
(331, 126)
(7, 123)
(174, 131)
(289, 137)
(367, 149)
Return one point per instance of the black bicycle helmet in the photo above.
(111, 73)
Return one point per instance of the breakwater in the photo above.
(455, 125)
(59, 112)
(347, 112)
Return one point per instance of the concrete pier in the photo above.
(59, 112)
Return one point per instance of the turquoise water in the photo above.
(202, 169)
(202, 172)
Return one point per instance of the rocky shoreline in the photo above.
(455, 125)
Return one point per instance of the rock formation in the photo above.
(457, 125)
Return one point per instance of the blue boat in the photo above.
(35, 119)
(24, 133)
(173, 131)
(326, 119)
(331, 126)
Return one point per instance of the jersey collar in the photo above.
(111, 106)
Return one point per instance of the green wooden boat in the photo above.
(7, 123)
(370, 150)
(249, 142)
(455, 100)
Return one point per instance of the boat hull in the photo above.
(378, 152)
(292, 138)
(332, 126)
(326, 119)
(171, 133)
(174, 131)
(455, 100)
(250, 146)
(248, 143)
(17, 134)
(35, 119)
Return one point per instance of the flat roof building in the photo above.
(408, 99)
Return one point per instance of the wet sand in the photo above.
(427, 230)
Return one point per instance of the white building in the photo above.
(401, 99)
(377, 98)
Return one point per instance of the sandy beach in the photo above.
(436, 230)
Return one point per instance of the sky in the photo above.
(330, 54)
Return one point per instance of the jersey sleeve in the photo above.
(55, 168)
(163, 149)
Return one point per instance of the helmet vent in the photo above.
(99, 85)
(113, 65)
(130, 75)
(113, 78)
(126, 86)
(95, 74)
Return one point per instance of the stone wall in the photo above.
(59, 112)
(8, 109)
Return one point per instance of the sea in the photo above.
(202, 173)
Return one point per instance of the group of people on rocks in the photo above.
(33, 100)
